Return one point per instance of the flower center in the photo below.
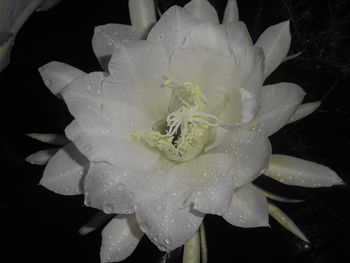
(184, 132)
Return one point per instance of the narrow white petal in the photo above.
(41, 157)
(304, 110)
(286, 222)
(202, 10)
(56, 139)
(95, 222)
(120, 238)
(231, 12)
(64, 172)
(57, 75)
(294, 171)
(192, 250)
(275, 41)
(248, 208)
(278, 103)
(287, 58)
(142, 13)
(279, 198)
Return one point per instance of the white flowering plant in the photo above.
(175, 127)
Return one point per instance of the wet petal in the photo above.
(294, 171)
(250, 152)
(206, 181)
(41, 157)
(142, 13)
(107, 188)
(231, 12)
(102, 127)
(286, 222)
(57, 75)
(95, 222)
(107, 38)
(138, 67)
(202, 10)
(236, 34)
(172, 29)
(248, 208)
(208, 36)
(275, 41)
(304, 110)
(120, 238)
(278, 103)
(64, 172)
(167, 225)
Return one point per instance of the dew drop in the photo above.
(161, 248)
(108, 208)
(88, 88)
(167, 240)
(120, 187)
(144, 227)
(159, 208)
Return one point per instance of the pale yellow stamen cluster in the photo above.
(185, 129)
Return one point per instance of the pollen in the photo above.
(186, 125)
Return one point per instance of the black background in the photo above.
(38, 225)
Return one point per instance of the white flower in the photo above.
(178, 127)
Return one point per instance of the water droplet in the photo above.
(120, 187)
(108, 208)
(161, 248)
(167, 240)
(155, 239)
(87, 148)
(159, 208)
(88, 88)
(144, 227)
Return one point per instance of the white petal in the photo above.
(142, 13)
(56, 139)
(41, 157)
(108, 37)
(57, 75)
(250, 152)
(172, 28)
(65, 170)
(294, 171)
(278, 103)
(95, 222)
(236, 34)
(248, 208)
(275, 41)
(167, 225)
(202, 10)
(231, 12)
(279, 198)
(286, 222)
(287, 58)
(304, 110)
(139, 67)
(120, 238)
(208, 36)
(207, 182)
(107, 188)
